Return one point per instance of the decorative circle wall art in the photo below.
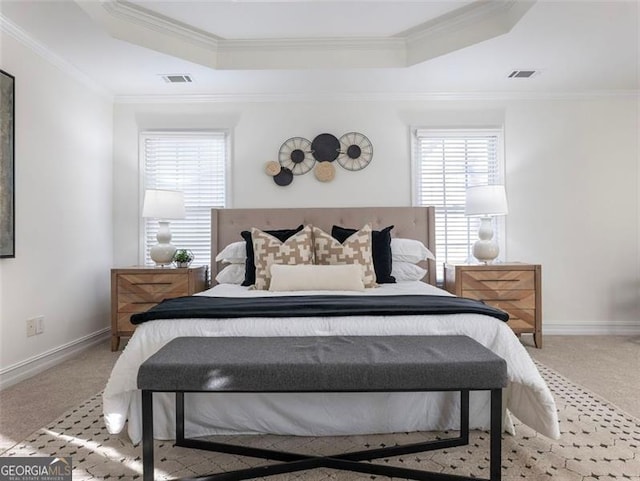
(295, 155)
(284, 177)
(272, 168)
(325, 171)
(325, 148)
(356, 151)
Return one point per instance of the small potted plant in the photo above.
(183, 257)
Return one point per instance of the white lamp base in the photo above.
(162, 253)
(485, 248)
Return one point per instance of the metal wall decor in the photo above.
(284, 177)
(356, 151)
(325, 148)
(297, 156)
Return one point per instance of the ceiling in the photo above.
(576, 45)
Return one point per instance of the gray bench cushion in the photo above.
(322, 364)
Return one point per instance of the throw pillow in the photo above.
(356, 249)
(250, 266)
(381, 250)
(268, 250)
(347, 277)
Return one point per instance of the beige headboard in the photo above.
(409, 222)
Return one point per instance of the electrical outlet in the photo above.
(31, 327)
(39, 324)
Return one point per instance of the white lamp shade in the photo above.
(486, 200)
(163, 204)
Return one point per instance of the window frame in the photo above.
(142, 135)
(417, 133)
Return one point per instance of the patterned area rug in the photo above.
(599, 442)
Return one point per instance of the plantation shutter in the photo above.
(194, 163)
(447, 162)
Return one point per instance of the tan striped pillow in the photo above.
(356, 249)
(268, 250)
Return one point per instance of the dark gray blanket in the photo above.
(195, 307)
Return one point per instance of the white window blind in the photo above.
(194, 163)
(446, 163)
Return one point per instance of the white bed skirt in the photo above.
(309, 414)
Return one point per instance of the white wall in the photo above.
(64, 227)
(572, 181)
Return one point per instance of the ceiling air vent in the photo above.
(177, 78)
(523, 73)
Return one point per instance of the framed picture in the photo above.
(7, 165)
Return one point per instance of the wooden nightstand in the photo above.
(136, 289)
(513, 287)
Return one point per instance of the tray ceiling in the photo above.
(445, 31)
(573, 46)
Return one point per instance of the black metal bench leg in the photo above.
(147, 435)
(464, 417)
(179, 418)
(495, 450)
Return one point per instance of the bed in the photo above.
(527, 396)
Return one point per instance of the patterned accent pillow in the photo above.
(268, 250)
(356, 249)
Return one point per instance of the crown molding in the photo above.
(465, 26)
(374, 97)
(11, 29)
(128, 22)
(154, 21)
(304, 53)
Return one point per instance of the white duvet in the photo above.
(311, 414)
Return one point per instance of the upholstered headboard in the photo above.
(410, 222)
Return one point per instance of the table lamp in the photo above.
(163, 205)
(486, 201)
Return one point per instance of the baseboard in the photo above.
(30, 367)
(588, 328)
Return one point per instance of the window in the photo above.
(446, 162)
(194, 163)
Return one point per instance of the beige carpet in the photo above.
(599, 442)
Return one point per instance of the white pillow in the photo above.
(232, 274)
(407, 271)
(409, 250)
(309, 277)
(234, 253)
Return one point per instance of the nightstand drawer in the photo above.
(152, 283)
(520, 326)
(528, 315)
(136, 303)
(152, 288)
(505, 299)
(497, 280)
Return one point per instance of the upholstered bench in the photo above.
(324, 364)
